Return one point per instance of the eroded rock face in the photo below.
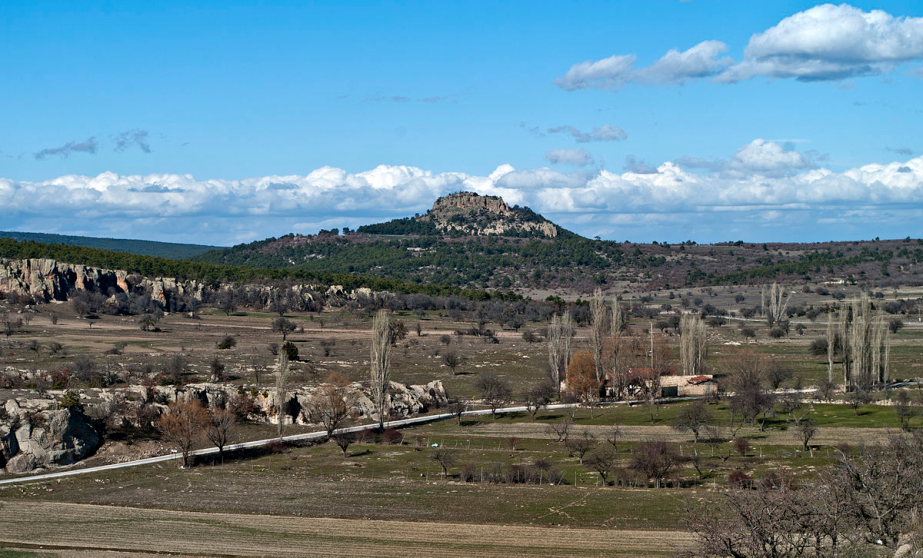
(48, 280)
(473, 214)
(403, 401)
(34, 433)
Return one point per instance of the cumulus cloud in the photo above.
(132, 138)
(829, 42)
(826, 42)
(905, 151)
(602, 133)
(89, 145)
(576, 157)
(769, 157)
(764, 184)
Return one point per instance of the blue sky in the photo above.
(225, 122)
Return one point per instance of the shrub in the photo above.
(71, 400)
(227, 342)
(276, 446)
(291, 351)
(392, 436)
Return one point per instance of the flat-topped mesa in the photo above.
(472, 214)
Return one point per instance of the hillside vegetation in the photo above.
(486, 244)
(151, 267)
(141, 247)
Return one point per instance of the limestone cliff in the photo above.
(473, 214)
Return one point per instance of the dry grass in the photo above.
(81, 528)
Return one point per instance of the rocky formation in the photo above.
(45, 280)
(474, 214)
(403, 400)
(48, 280)
(36, 433)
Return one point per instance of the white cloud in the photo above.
(675, 67)
(826, 42)
(768, 157)
(830, 42)
(761, 177)
(608, 73)
(576, 157)
(702, 60)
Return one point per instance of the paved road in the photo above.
(313, 436)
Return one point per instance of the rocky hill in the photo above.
(470, 214)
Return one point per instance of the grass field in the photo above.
(79, 528)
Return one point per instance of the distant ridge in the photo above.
(480, 242)
(140, 247)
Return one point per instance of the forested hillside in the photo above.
(142, 247)
(521, 249)
(151, 267)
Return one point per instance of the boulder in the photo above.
(22, 463)
(38, 436)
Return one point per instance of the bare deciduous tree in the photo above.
(380, 364)
(775, 302)
(831, 346)
(866, 501)
(560, 333)
(182, 425)
(865, 340)
(560, 431)
(694, 418)
(805, 429)
(655, 460)
(579, 446)
(331, 405)
(220, 429)
(599, 323)
(602, 460)
(693, 344)
(452, 360)
(538, 396)
(457, 408)
(283, 326)
(494, 390)
(281, 390)
(445, 458)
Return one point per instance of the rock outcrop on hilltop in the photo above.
(37, 433)
(473, 214)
